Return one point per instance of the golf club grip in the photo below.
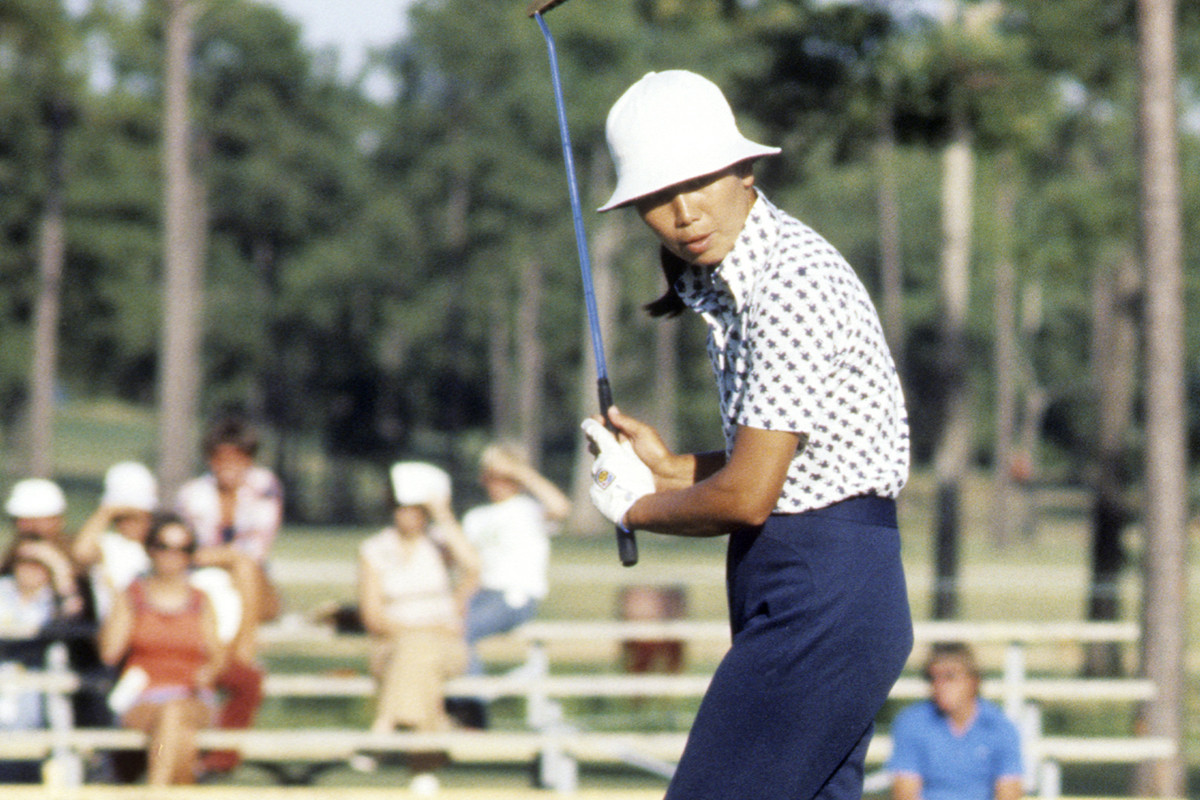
(627, 548)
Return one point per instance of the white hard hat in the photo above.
(671, 127)
(129, 484)
(416, 483)
(35, 497)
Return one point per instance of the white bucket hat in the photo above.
(34, 498)
(129, 484)
(416, 483)
(670, 127)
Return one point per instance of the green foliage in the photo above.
(364, 259)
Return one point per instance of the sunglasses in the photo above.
(166, 548)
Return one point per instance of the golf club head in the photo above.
(542, 6)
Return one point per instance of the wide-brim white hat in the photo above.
(671, 127)
(130, 484)
(415, 483)
(34, 498)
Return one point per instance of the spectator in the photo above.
(37, 507)
(236, 509)
(164, 630)
(512, 535)
(111, 545)
(37, 589)
(415, 578)
(956, 745)
(112, 542)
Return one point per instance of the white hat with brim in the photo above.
(35, 498)
(671, 127)
(129, 484)
(415, 483)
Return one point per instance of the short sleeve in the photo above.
(907, 751)
(1008, 752)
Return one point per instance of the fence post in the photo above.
(64, 768)
(1014, 680)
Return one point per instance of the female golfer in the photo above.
(816, 450)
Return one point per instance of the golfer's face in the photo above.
(700, 220)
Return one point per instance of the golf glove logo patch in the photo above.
(604, 478)
(620, 478)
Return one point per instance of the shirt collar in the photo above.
(737, 272)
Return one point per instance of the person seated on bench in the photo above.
(111, 546)
(415, 578)
(512, 535)
(37, 508)
(236, 510)
(164, 632)
(37, 588)
(955, 745)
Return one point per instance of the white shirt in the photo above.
(415, 583)
(121, 560)
(512, 538)
(20, 618)
(796, 345)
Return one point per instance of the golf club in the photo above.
(626, 543)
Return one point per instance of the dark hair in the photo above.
(670, 304)
(161, 520)
(231, 431)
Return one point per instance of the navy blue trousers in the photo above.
(821, 630)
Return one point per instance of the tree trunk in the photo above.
(1114, 344)
(1166, 431)
(954, 448)
(1026, 462)
(531, 359)
(1006, 497)
(51, 256)
(505, 420)
(183, 222)
(890, 268)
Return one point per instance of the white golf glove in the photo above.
(619, 477)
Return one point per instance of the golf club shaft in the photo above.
(626, 543)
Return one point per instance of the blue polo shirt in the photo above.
(953, 767)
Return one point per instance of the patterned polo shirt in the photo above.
(796, 345)
(257, 512)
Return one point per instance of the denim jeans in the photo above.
(489, 614)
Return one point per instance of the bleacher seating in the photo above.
(558, 746)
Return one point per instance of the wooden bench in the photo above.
(535, 643)
(560, 749)
(557, 746)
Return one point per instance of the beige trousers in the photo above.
(411, 667)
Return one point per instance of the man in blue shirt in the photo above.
(956, 745)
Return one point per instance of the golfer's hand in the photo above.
(671, 470)
(619, 478)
